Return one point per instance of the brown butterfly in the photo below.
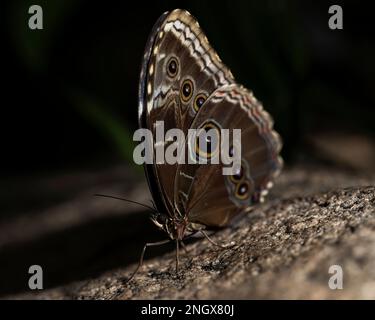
(184, 83)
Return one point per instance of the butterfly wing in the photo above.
(179, 72)
(202, 191)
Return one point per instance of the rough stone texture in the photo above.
(315, 217)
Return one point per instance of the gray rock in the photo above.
(314, 218)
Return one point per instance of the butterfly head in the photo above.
(174, 227)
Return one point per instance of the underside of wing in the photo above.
(180, 71)
(207, 195)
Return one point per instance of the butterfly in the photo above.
(184, 83)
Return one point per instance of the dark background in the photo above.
(70, 90)
(69, 105)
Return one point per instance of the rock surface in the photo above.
(314, 218)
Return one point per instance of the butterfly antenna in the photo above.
(127, 200)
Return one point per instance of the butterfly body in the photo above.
(184, 83)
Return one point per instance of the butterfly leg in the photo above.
(149, 244)
(213, 242)
(177, 253)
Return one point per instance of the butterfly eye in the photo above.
(242, 190)
(186, 90)
(172, 67)
(198, 101)
(237, 176)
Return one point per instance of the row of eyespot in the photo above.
(186, 92)
(241, 185)
(187, 87)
